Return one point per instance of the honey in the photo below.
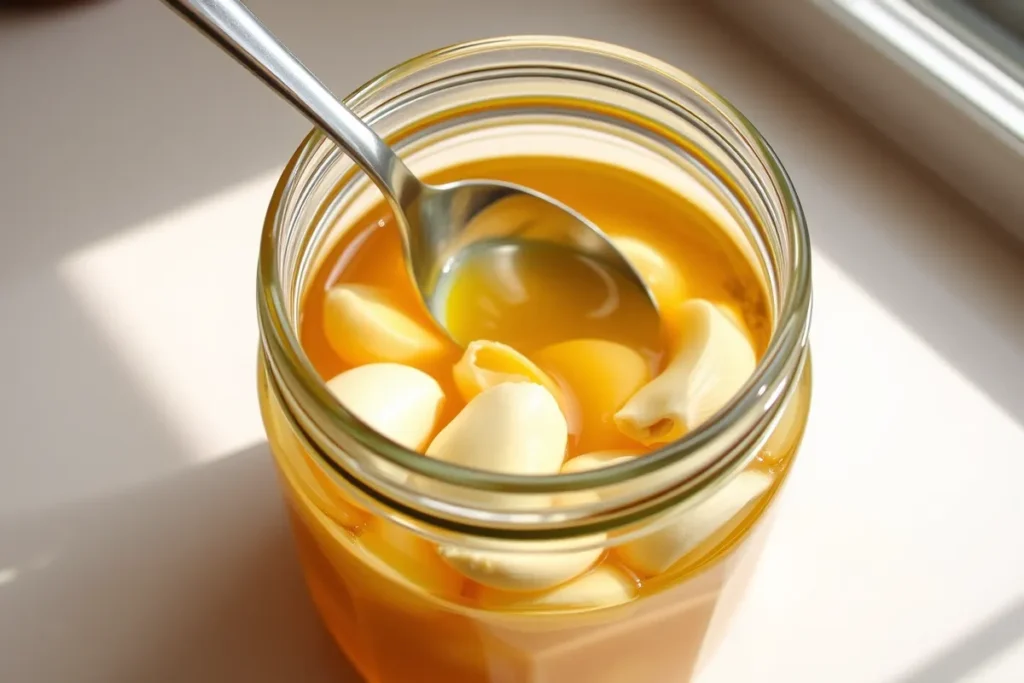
(567, 492)
(405, 609)
(533, 315)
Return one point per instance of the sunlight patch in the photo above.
(176, 299)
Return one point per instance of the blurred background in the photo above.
(141, 536)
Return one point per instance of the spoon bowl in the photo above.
(440, 224)
(480, 219)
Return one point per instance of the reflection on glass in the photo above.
(1008, 14)
(993, 27)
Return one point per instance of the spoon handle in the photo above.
(238, 32)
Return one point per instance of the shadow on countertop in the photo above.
(193, 579)
(962, 658)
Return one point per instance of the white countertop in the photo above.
(141, 534)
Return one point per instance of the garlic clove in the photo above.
(660, 275)
(733, 313)
(601, 587)
(363, 327)
(529, 565)
(596, 460)
(400, 402)
(515, 428)
(522, 567)
(713, 361)
(659, 551)
(486, 364)
(599, 377)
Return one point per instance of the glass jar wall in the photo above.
(424, 570)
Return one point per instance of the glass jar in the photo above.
(369, 516)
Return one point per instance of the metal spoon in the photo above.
(440, 223)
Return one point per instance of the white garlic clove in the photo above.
(658, 551)
(487, 364)
(597, 460)
(514, 428)
(400, 402)
(660, 275)
(735, 314)
(363, 327)
(602, 587)
(521, 566)
(713, 362)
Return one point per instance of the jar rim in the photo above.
(280, 339)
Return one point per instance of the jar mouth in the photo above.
(761, 397)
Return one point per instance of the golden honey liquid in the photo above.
(395, 633)
(534, 295)
(536, 300)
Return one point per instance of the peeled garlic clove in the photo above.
(713, 362)
(521, 566)
(487, 364)
(597, 460)
(658, 551)
(658, 273)
(363, 327)
(529, 565)
(400, 402)
(514, 428)
(601, 376)
(602, 587)
(406, 558)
